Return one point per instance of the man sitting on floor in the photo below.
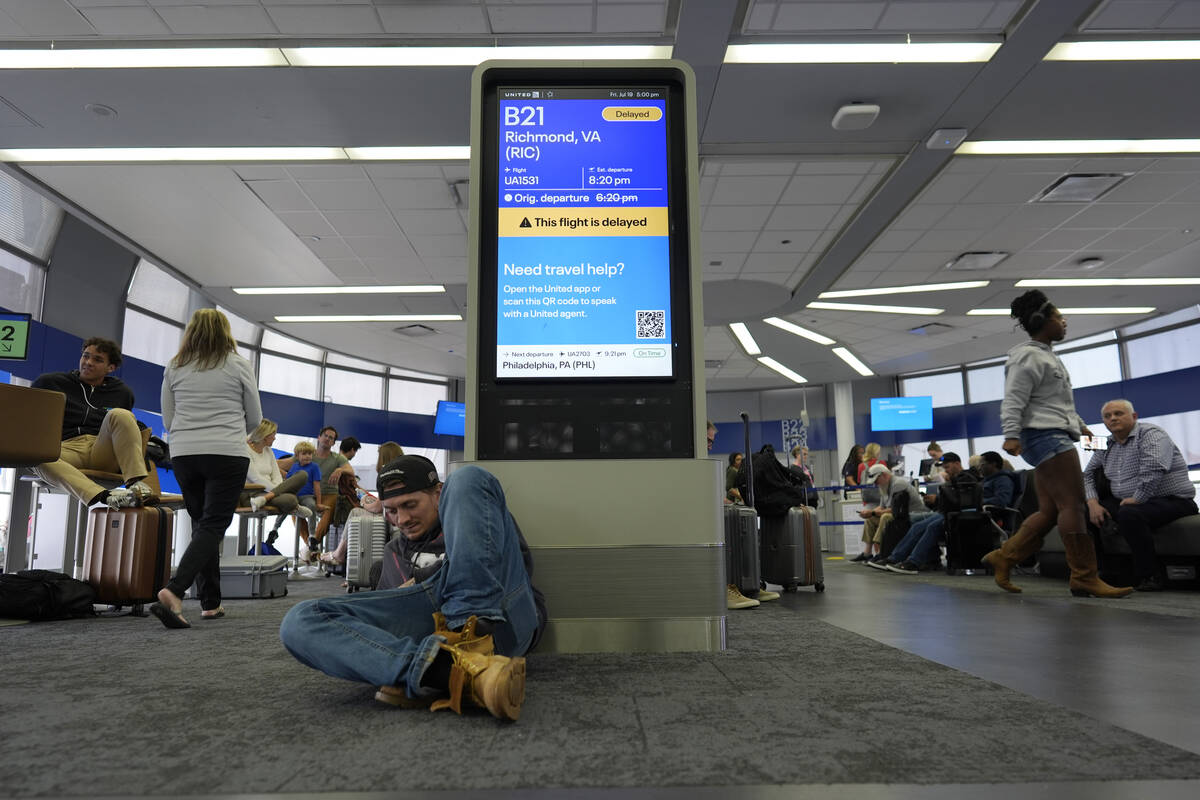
(1149, 487)
(99, 430)
(457, 635)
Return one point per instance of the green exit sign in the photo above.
(14, 336)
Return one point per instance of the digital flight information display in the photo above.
(583, 255)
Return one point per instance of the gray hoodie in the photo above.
(1037, 392)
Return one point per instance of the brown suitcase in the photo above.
(127, 554)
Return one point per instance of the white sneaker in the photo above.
(304, 511)
(257, 502)
(121, 498)
(735, 599)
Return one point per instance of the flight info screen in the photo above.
(583, 256)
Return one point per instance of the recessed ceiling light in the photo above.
(861, 53)
(1154, 50)
(793, 328)
(976, 261)
(852, 360)
(1004, 312)
(462, 56)
(270, 290)
(170, 154)
(100, 110)
(929, 287)
(146, 58)
(877, 309)
(1045, 282)
(446, 153)
(1035, 147)
(1080, 188)
(742, 333)
(370, 318)
(790, 374)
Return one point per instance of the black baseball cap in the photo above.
(412, 472)
(949, 457)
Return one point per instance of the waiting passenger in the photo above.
(876, 520)
(731, 478)
(99, 430)
(1147, 487)
(264, 470)
(850, 468)
(870, 459)
(457, 636)
(999, 482)
(388, 452)
(309, 495)
(1040, 423)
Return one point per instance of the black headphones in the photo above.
(1038, 318)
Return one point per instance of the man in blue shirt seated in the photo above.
(999, 484)
(919, 548)
(1149, 487)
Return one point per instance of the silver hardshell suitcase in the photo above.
(366, 534)
(244, 577)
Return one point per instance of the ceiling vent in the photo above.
(975, 261)
(1080, 188)
(931, 329)
(713, 363)
(1087, 264)
(414, 330)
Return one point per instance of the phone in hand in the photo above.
(1094, 442)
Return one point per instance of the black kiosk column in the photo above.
(585, 390)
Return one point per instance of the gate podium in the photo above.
(585, 377)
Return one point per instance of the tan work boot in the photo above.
(1085, 579)
(496, 683)
(467, 638)
(764, 596)
(1016, 548)
(734, 599)
(396, 696)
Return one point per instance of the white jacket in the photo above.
(1037, 392)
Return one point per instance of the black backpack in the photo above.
(39, 594)
(962, 492)
(776, 488)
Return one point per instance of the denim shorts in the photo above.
(1038, 445)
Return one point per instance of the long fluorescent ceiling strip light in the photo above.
(127, 155)
(1162, 50)
(1004, 312)
(744, 338)
(372, 318)
(791, 375)
(852, 360)
(1037, 147)
(193, 57)
(1109, 282)
(861, 53)
(931, 287)
(795, 329)
(274, 290)
(877, 309)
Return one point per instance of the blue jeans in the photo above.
(1038, 445)
(920, 544)
(386, 638)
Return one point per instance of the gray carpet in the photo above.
(119, 705)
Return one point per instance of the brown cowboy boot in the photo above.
(1016, 548)
(467, 638)
(1081, 558)
(496, 683)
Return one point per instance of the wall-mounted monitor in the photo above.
(901, 413)
(451, 419)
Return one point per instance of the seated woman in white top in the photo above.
(264, 470)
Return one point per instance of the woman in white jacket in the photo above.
(209, 404)
(1040, 423)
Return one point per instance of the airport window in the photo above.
(153, 289)
(21, 284)
(282, 344)
(986, 384)
(982, 444)
(149, 338)
(246, 353)
(1093, 366)
(414, 397)
(353, 388)
(946, 388)
(243, 329)
(339, 360)
(28, 221)
(1164, 352)
(1108, 336)
(289, 377)
(1165, 321)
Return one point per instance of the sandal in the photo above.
(216, 613)
(169, 618)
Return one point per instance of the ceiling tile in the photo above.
(835, 167)
(1016, 188)
(945, 240)
(196, 20)
(416, 193)
(392, 247)
(540, 19)
(756, 167)
(896, 241)
(802, 218)
(730, 262)
(836, 16)
(376, 171)
(920, 216)
(869, 262)
(1126, 239)
(127, 21)
(1150, 187)
(1106, 216)
(448, 269)
(1043, 215)
(735, 218)
(820, 189)
(1169, 215)
(1066, 239)
(281, 195)
(977, 217)
(252, 172)
(362, 223)
(434, 18)
(957, 15)
(784, 263)
(950, 188)
(325, 20)
(343, 195)
(328, 247)
(727, 242)
(1127, 15)
(440, 246)
(630, 18)
(786, 242)
(41, 18)
(307, 223)
(326, 171)
(747, 191)
(433, 221)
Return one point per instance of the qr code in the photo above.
(651, 324)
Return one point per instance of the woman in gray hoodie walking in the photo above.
(1040, 423)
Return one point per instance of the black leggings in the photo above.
(211, 486)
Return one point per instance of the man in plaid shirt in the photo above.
(1149, 487)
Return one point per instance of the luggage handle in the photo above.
(748, 461)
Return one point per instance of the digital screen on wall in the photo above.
(901, 413)
(583, 259)
(451, 419)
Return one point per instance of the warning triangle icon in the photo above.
(525, 223)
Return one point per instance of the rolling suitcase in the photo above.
(127, 554)
(970, 535)
(741, 549)
(366, 534)
(791, 550)
(250, 577)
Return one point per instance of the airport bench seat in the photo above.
(1176, 543)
